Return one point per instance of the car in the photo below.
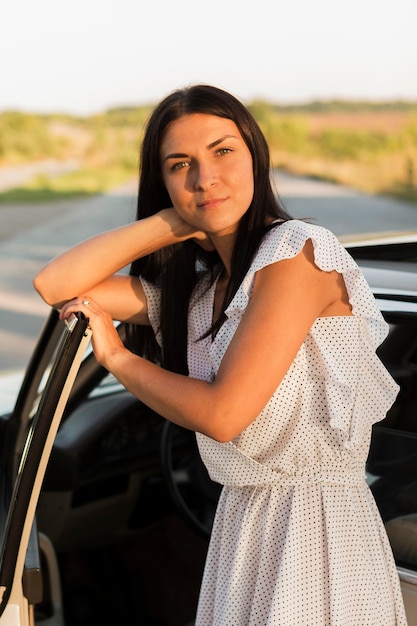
(107, 509)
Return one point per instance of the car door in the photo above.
(27, 437)
(392, 461)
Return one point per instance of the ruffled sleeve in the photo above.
(153, 301)
(339, 350)
(285, 241)
(358, 388)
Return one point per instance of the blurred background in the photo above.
(333, 85)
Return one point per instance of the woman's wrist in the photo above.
(179, 228)
(117, 361)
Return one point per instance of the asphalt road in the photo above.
(30, 235)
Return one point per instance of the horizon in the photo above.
(304, 104)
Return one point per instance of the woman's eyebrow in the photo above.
(213, 144)
(216, 143)
(175, 155)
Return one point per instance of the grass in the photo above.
(392, 175)
(373, 150)
(77, 184)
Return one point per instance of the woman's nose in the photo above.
(204, 177)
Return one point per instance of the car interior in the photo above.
(125, 511)
(392, 459)
(124, 515)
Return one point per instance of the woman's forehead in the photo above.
(199, 127)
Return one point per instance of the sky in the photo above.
(85, 56)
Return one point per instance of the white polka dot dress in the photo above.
(297, 539)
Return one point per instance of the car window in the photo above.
(392, 461)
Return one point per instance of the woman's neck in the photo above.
(224, 246)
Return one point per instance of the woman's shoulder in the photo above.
(297, 230)
(285, 240)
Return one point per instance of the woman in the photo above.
(259, 333)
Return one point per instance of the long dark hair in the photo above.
(176, 269)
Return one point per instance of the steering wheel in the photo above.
(194, 493)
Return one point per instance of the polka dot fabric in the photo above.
(297, 539)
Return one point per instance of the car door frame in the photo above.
(33, 432)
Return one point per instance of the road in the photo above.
(30, 235)
(343, 210)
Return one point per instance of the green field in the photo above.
(371, 147)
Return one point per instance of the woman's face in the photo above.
(207, 170)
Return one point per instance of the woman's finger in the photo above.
(84, 305)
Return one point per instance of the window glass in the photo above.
(392, 462)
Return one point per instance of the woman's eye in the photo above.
(222, 151)
(178, 166)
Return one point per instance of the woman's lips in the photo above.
(211, 203)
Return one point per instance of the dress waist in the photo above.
(230, 466)
(280, 479)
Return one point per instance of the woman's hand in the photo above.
(179, 225)
(105, 340)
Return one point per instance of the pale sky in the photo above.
(85, 56)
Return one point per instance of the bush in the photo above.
(25, 137)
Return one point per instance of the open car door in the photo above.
(26, 445)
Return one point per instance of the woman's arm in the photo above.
(88, 269)
(288, 296)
